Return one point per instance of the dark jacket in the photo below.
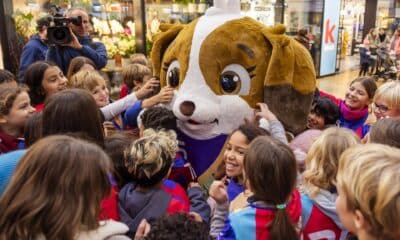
(171, 198)
(62, 55)
(34, 50)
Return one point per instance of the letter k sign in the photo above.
(329, 32)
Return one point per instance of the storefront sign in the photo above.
(329, 37)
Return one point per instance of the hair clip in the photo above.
(281, 206)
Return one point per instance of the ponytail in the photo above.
(281, 227)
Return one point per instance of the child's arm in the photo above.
(115, 108)
(198, 202)
(219, 194)
(333, 98)
(275, 127)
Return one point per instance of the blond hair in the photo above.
(149, 158)
(87, 80)
(323, 159)
(134, 72)
(389, 93)
(369, 179)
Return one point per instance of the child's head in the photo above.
(149, 159)
(134, 75)
(323, 112)
(115, 147)
(33, 129)
(56, 190)
(93, 82)
(323, 159)
(237, 146)
(387, 100)
(158, 118)
(178, 226)
(271, 171)
(369, 191)
(7, 78)
(360, 93)
(80, 63)
(44, 79)
(302, 143)
(386, 131)
(74, 112)
(15, 108)
(139, 58)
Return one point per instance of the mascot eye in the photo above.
(235, 80)
(230, 82)
(173, 74)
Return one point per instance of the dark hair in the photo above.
(250, 131)
(271, 170)
(178, 226)
(386, 131)
(6, 76)
(159, 118)
(33, 78)
(33, 128)
(42, 22)
(368, 83)
(115, 146)
(76, 64)
(327, 109)
(48, 194)
(73, 111)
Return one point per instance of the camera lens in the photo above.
(59, 34)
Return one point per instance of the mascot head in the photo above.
(222, 64)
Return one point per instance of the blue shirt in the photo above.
(8, 164)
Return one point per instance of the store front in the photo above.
(128, 26)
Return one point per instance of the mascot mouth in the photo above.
(193, 122)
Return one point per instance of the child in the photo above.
(48, 195)
(354, 108)
(319, 215)
(324, 113)
(7, 78)
(44, 79)
(365, 61)
(158, 118)
(386, 131)
(369, 191)
(96, 85)
(149, 161)
(177, 226)
(134, 74)
(274, 209)
(15, 110)
(387, 100)
(80, 63)
(115, 146)
(33, 129)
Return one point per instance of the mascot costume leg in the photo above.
(221, 65)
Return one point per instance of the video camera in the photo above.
(58, 33)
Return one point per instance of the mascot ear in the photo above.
(290, 79)
(161, 43)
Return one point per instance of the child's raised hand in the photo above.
(166, 94)
(142, 230)
(147, 88)
(218, 192)
(265, 112)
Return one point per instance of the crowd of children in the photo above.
(75, 164)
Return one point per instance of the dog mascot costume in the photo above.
(221, 65)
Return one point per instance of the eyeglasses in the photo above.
(381, 108)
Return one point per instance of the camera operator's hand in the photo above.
(74, 42)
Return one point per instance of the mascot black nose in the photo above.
(187, 108)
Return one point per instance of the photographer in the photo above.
(35, 49)
(80, 45)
